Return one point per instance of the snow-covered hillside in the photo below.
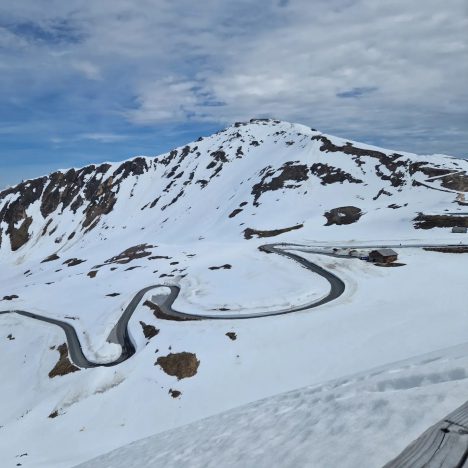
(77, 246)
(265, 175)
(347, 422)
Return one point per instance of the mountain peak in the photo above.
(262, 175)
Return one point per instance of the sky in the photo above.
(84, 82)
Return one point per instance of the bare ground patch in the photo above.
(64, 366)
(149, 330)
(181, 365)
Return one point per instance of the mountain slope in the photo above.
(77, 245)
(265, 175)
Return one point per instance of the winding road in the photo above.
(120, 335)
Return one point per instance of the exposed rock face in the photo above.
(394, 163)
(331, 175)
(249, 232)
(284, 177)
(88, 188)
(343, 215)
(246, 170)
(423, 221)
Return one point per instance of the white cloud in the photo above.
(156, 61)
(103, 137)
(88, 69)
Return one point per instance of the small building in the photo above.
(383, 256)
(459, 230)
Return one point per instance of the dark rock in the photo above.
(222, 267)
(249, 232)
(423, 221)
(330, 175)
(174, 393)
(50, 258)
(235, 212)
(290, 171)
(343, 215)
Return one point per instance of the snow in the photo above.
(365, 418)
(355, 379)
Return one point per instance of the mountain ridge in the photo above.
(292, 157)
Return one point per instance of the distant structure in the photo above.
(383, 256)
(459, 230)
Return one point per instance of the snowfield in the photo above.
(349, 383)
(366, 419)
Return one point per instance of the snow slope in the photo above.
(363, 420)
(78, 244)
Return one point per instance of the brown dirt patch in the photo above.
(92, 274)
(181, 365)
(64, 366)
(149, 330)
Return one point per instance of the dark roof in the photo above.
(384, 252)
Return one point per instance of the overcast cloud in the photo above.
(87, 81)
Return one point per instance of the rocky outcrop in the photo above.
(331, 175)
(289, 175)
(423, 221)
(249, 232)
(343, 215)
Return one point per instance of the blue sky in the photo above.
(84, 82)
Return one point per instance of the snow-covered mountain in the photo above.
(252, 177)
(77, 245)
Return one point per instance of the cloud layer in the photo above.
(392, 73)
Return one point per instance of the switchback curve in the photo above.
(120, 332)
